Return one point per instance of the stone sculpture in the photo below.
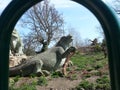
(48, 61)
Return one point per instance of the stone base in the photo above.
(16, 60)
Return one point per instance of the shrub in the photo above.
(42, 81)
(98, 66)
(97, 73)
(27, 87)
(16, 78)
(33, 75)
(103, 80)
(102, 87)
(56, 74)
(103, 83)
(85, 85)
(74, 77)
(24, 87)
(87, 76)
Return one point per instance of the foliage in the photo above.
(56, 74)
(16, 78)
(13, 81)
(103, 83)
(97, 48)
(103, 80)
(28, 87)
(97, 66)
(82, 61)
(93, 64)
(74, 77)
(25, 87)
(11, 84)
(42, 81)
(33, 75)
(85, 85)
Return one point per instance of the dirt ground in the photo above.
(60, 83)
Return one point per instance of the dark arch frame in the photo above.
(104, 14)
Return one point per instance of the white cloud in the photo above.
(71, 4)
(60, 4)
(64, 4)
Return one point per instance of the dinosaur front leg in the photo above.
(66, 63)
(67, 54)
(38, 69)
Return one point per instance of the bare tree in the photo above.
(100, 31)
(116, 6)
(77, 40)
(45, 23)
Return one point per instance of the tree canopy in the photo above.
(46, 25)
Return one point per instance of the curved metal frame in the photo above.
(104, 14)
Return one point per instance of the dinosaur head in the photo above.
(65, 41)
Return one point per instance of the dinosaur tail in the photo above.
(14, 71)
(24, 69)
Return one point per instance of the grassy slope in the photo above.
(88, 61)
(94, 71)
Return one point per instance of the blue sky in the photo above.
(75, 15)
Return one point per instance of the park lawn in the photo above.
(86, 61)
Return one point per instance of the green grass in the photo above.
(56, 74)
(42, 81)
(92, 63)
(24, 87)
(85, 85)
(96, 63)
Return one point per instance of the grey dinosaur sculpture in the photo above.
(50, 60)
